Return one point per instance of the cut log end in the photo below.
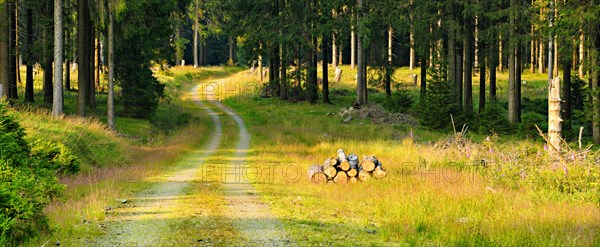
(345, 166)
(329, 171)
(368, 165)
(333, 161)
(318, 178)
(316, 174)
(352, 172)
(379, 172)
(364, 176)
(341, 177)
(352, 180)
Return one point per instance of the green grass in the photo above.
(432, 195)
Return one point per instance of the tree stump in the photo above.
(338, 74)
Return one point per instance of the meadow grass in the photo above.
(433, 195)
(436, 191)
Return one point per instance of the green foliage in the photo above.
(140, 39)
(141, 92)
(400, 101)
(493, 120)
(438, 104)
(528, 122)
(60, 157)
(579, 94)
(13, 148)
(27, 182)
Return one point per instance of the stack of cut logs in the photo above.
(343, 169)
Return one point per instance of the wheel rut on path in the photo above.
(148, 218)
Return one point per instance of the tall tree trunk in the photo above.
(57, 102)
(283, 93)
(388, 68)
(83, 17)
(412, 58)
(468, 68)
(493, 58)
(98, 61)
(341, 55)
(500, 60)
(423, 76)
(460, 54)
(513, 110)
(274, 69)
(67, 61)
(541, 57)
(532, 51)
(518, 78)
(29, 95)
(4, 47)
(352, 48)
(111, 72)
(325, 65)
(92, 62)
(361, 80)
(334, 60)
(12, 60)
(47, 47)
(196, 30)
(230, 42)
(581, 52)
(482, 74)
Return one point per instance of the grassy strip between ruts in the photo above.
(431, 196)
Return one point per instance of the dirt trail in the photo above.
(146, 221)
(250, 215)
(167, 213)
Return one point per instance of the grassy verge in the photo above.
(433, 195)
(115, 162)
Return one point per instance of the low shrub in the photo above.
(27, 181)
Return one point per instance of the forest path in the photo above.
(195, 206)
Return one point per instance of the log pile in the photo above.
(346, 169)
